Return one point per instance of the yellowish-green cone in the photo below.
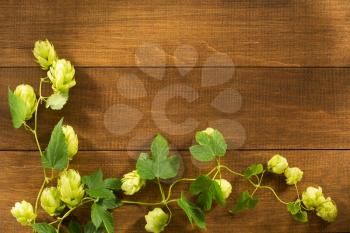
(293, 175)
(225, 186)
(71, 140)
(26, 93)
(45, 53)
(61, 75)
(156, 220)
(70, 187)
(277, 164)
(24, 213)
(327, 210)
(51, 202)
(208, 131)
(313, 197)
(132, 183)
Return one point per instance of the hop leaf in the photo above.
(56, 101)
(294, 208)
(43, 228)
(207, 191)
(97, 187)
(193, 212)
(245, 201)
(253, 170)
(159, 164)
(211, 143)
(100, 215)
(56, 154)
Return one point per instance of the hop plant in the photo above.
(45, 53)
(277, 164)
(293, 175)
(156, 220)
(327, 210)
(26, 93)
(70, 187)
(313, 197)
(132, 183)
(24, 213)
(51, 202)
(61, 75)
(158, 165)
(226, 187)
(71, 140)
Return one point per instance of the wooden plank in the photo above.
(108, 33)
(258, 109)
(19, 181)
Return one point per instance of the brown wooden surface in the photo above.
(289, 62)
(107, 33)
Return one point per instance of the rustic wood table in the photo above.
(272, 75)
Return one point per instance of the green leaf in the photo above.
(74, 226)
(294, 208)
(144, 166)
(253, 170)
(43, 228)
(301, 216)
(209, 146)
(99, 188)
(100, 193)
(159, 164)
(244, 202)
(193, 212)
(56, 154)
(56, 101)
(202, 138)
(100, 215)
(208, 190)
(112, 183)
(202, 153)
(159, 148)
(17, 109)
(111, 203)
(95, 180)
(90, 228)
(218, 143)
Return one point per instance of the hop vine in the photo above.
(63, 190)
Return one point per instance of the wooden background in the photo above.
(291, 66)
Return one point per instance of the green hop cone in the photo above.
(70, 187)
(51, 202)
(24, 213)
(45, 53)
(132, 183)
(293, 175)
(208, 131)
(26, 93)
(313, 197)
(277, 164)
(156, 220)
(71, 140)
(327, 210)
(61, 75)
(225, 186)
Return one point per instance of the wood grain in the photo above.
(108, 33)
(280, 108)
(329, 169)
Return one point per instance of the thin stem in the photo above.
(212, 170)
(296, 188)
(141, 203)
(219, 167)
(274, 193)
(38, 197)
(60, 220)
(231, 171)
(259, 183)
(175, 182)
